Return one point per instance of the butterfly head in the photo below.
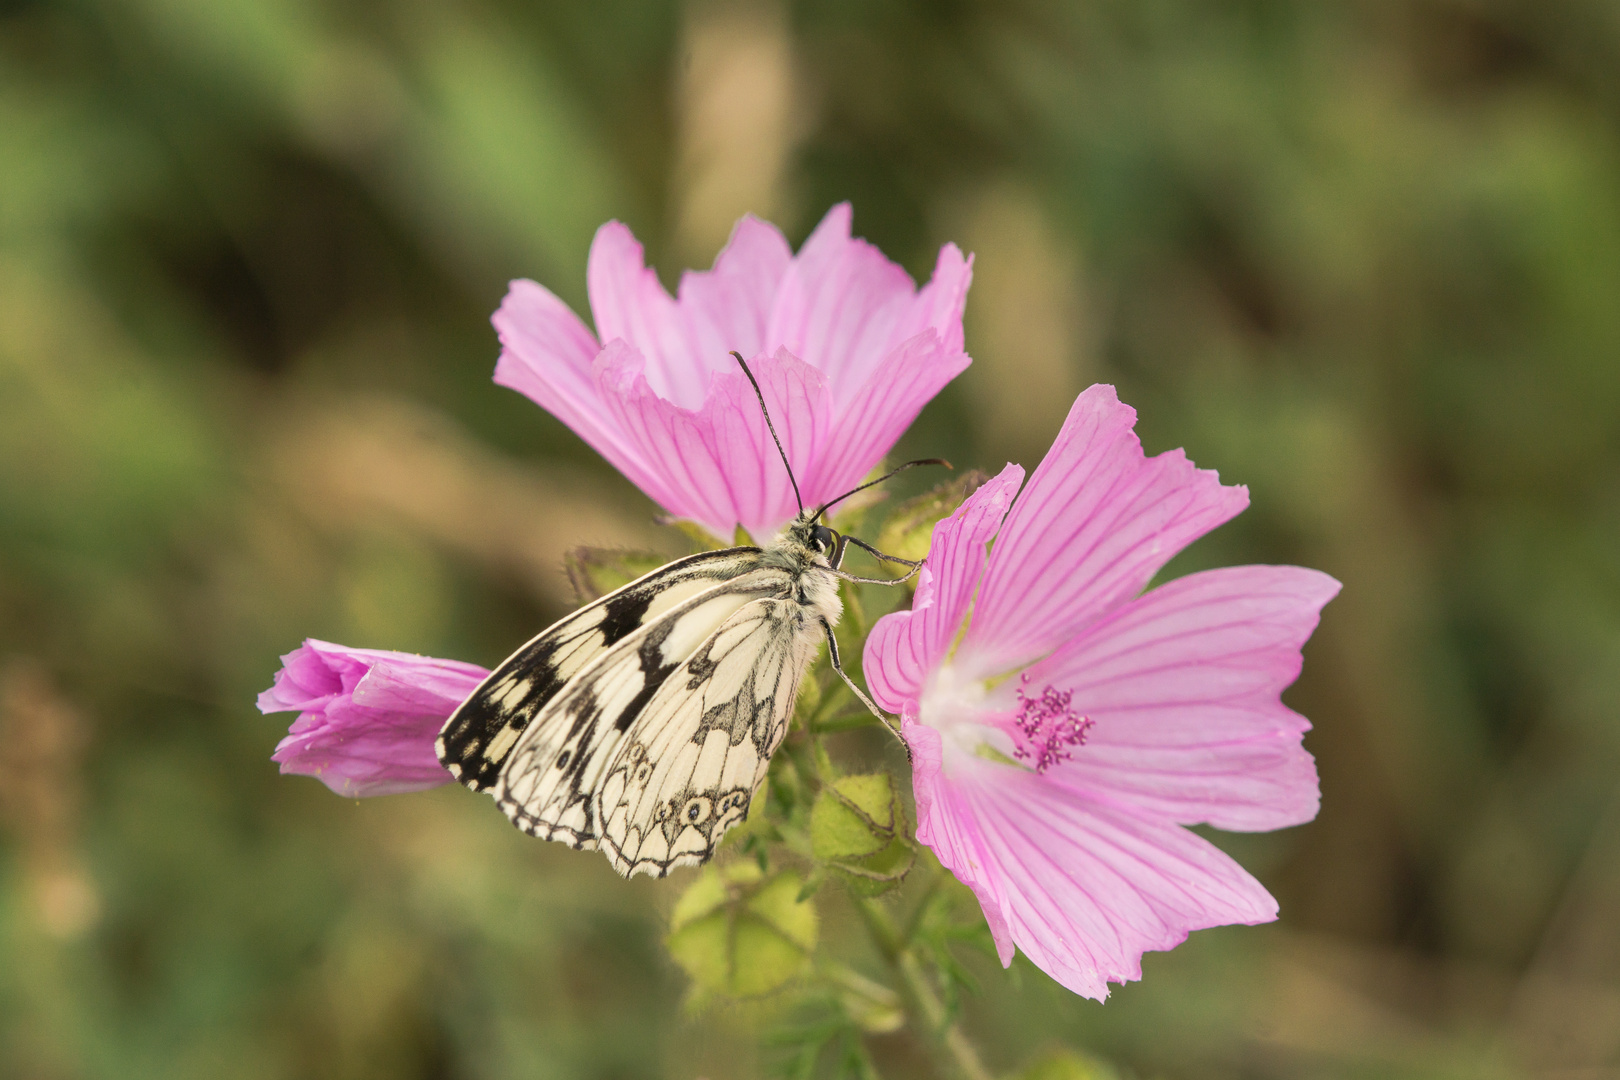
(824, 540)
(815, 542)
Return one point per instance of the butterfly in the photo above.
(642, 724)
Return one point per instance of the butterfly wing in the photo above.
(549, 783)
(688, 767)
(477, 739)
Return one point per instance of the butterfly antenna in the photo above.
(899, 468)
(772, 428)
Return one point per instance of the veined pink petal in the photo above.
(905, 646)
(955, 838)
(1083, 888)
(547, 355)
(630, 304)
(367, 717)
(840, 304)
(1182, 687)
(729, 306)
(879, 413)
(718, 465)
(1092, 526)
(940, 303)
(879, 349)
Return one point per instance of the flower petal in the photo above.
(905, 646)
(727, 308)
(940, 303)
(368, 717)
(1182, 685)
(879, 413)
(718, 466)
(840, 304)
(955, 837)
(630, 304)
(1094, 524)
(880, 350)
(548, 355)
(1083, 888)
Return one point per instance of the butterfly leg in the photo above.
(837, 561)
(879, 580)
(838, 666)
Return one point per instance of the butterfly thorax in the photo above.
(801, 551)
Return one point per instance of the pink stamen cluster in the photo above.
(1049, 726)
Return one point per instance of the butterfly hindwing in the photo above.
(478, 738)
(550, 779)
(688, 767)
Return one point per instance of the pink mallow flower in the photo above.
(1063, 740)
(846, 349)
(367, 718)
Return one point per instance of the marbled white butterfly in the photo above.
(642, 724)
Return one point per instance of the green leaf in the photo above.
(595, 572)
(813, 883)
(910, 527)
(739, 933)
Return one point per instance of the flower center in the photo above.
(1049, 728)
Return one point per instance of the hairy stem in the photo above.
(919, 993)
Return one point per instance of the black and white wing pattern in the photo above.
(645, 708)
(687, 769)
(477, 739)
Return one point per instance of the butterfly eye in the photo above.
(822, 539)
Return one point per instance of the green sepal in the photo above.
(740, 538)
(879, 872)
(740, 933)
(853, 816)
(595, 572)
(701, 538)
(910, 527)
(858, 830)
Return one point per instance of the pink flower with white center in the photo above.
(367, 717)
(846, 348)
(1062, 741)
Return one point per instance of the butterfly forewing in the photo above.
(479, 737)
(549, 783)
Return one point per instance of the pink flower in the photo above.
(1064, 740)
(846, 349)
(367, 718)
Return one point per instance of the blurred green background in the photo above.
(1362, 255)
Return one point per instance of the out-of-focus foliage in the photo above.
(1362, 255)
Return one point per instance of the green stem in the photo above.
(918, 991)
